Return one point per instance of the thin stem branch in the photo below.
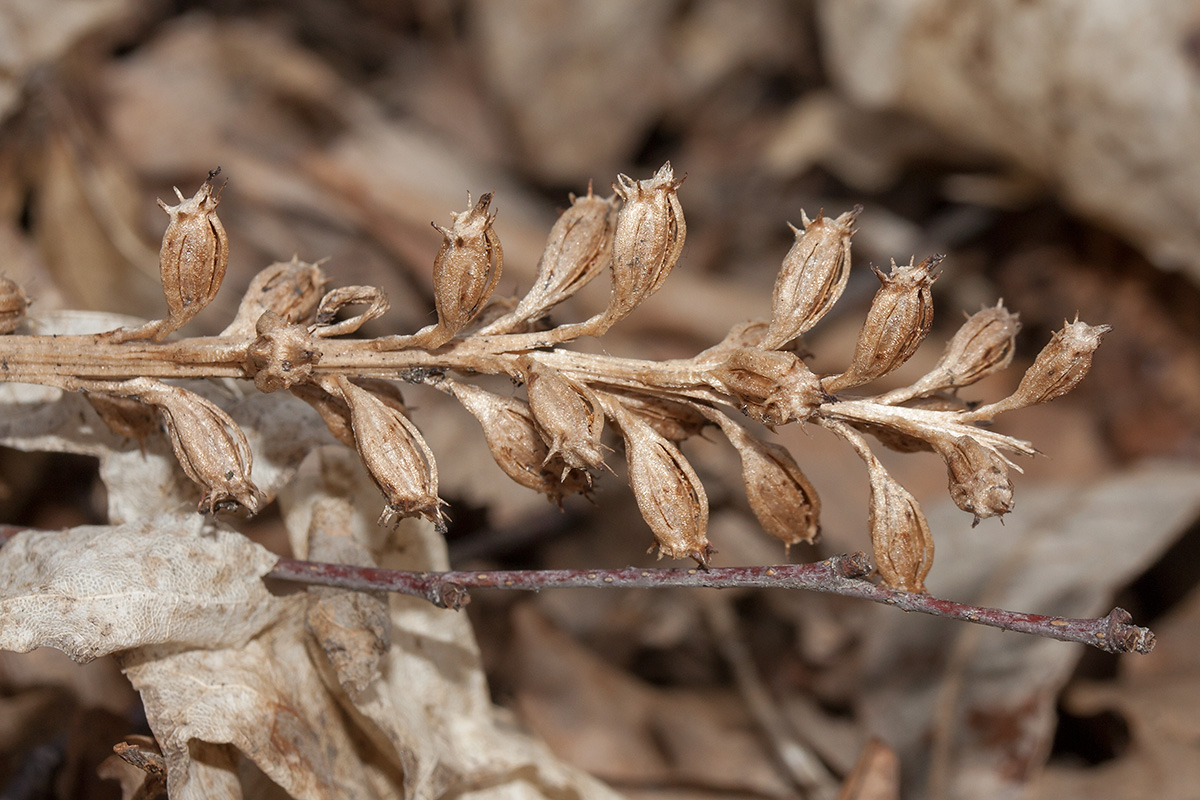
(844, 574)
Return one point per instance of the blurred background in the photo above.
(1048, 147)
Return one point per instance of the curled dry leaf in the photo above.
(813, 277)
(95, 590)
(333, 302)
(291, 289)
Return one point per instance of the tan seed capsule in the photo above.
(812, 278)
(194, 255)
(899, 319)
(983, 345)
(979, 482)
(395, 454)
(670, 420)
(648, 240)
(515, 444)
(668, 491)
(1061, 365)
(568, 416)
(780, 494)
(900, 535)
(124, 416)
(208, 444)
(282, 356)
(12, 306)
(578, 249)
(465, 272)
(335, 412)
(774, 387)
(291, 289)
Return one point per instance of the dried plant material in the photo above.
(333, 302)
(192, 261)
(670, 420)
(396, 455)
(578, 249)
(900, 317)
(979, 481)
(1058, 369)
(813, 277)
(568, 415)
(291, 289)
(77, 590)
(900, 534)
(282, 356)
(138, 766)
(876, 775)
(515, 443)
(648, 240)
(783, 499)
(12, 305)
(668, 491)
(124, 416)
(772, 387)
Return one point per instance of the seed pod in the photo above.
(774, 387)
(515, 444)
(983, 345)
(1059, 367)
(668, 491)
(578, 249)
(900, 317)
(465, 271)
(123, 415)
(336, 413)
(670, 420)
(979, 481)
(291, 289)
(568, 416)
(12, 306)
(812, 278)
(193, 258)
(282, 356)
(396, 456)
(780, 494)
(208, 444)
(900, 535)
(648, 240)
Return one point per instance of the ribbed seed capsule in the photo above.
(670, 420)
(291, 289)
(780, 494)
(208, 444)
(774, 387)
(568, 416)
(648, 240)
(899, 319)
(515, 444)
(1058, 368)
(979, 482)
(395, 454)
(12, 305)
(578, 249)
(193, 257)
(124, 416)
(900, 535)
(466, 270)
(335, 412)
(812, 278)
(668, 492)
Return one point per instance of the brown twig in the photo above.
(844, 574)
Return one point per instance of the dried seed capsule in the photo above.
(578, 249)
(648, 240)
(812, 278)
(774, 387)
(334, 410)
(291, 289)
(670, 420)
(515, 444)
(123, 415)
(979, 481)
(780, 494)
(900, 535)
(568, 416)
(208, 444)
(12, 305)
(194, 255)
(396, 455)
(1059, 367)
(668, 491)
(900, 317)
(282, 356)
(465, 271)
